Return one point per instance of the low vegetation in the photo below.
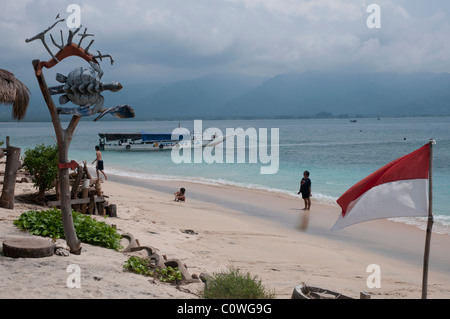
(144, 266)
(48, 223)
(232, 284)
(42, 164)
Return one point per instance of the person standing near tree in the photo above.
(305, 189)
(99, 160)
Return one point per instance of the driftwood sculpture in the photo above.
(64, 136)
(83, 87)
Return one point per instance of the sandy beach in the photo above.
(263, 233)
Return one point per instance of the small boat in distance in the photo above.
(152, 141)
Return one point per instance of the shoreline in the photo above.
(378, 239)
(283, 247)
(325, 200)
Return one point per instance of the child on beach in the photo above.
(99, 161)
(305, 189)
(180, 195)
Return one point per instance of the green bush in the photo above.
(42, 163)
(234, 285)
(49, 224)
(144, 266)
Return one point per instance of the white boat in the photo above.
(152, 141)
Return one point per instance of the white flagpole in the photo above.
(429, 224)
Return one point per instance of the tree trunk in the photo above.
(9, 183)
(66, 208)
(64, 137)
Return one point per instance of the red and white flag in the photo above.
(399, 189)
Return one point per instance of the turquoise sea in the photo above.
(337, 152)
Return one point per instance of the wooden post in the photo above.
(111, 210)
(91, 208)
(84, 194)
(86, 171)
(429, 224)
(86, 185)
(76, 186)
(98, 191)
(77, 182)
(9, 183)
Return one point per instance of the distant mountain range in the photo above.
(290, 95)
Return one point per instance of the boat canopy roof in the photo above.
(137, 136)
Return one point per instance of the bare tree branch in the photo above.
(54, 42)
(84, 35)
(101, 56)
(87, 48)
(71, 34)
(41, 36)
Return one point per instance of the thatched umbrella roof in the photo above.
(14, 92)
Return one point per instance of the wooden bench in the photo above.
(77, 201)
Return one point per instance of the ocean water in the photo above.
(338, 153)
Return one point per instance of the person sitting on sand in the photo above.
(180, 195)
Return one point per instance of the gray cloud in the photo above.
(177, 39)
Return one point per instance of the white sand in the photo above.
(285, 248)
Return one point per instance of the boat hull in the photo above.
(159, 146)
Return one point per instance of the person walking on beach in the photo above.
(305, 189)
(99, 161)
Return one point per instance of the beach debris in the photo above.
(61, 249)
(86, 194)
(189, 231)
(28, 248)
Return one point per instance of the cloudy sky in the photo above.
(165, 40)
